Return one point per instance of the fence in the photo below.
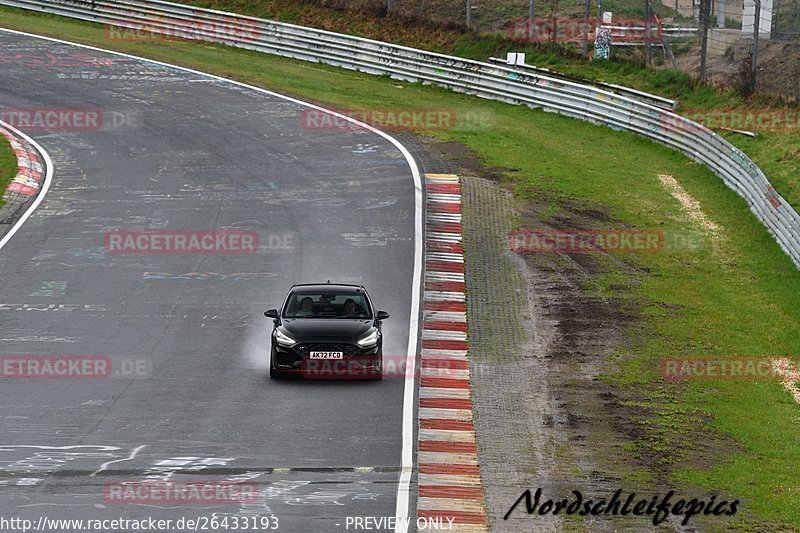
(485, 80)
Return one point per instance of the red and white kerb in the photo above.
(449, 475)
(29, 174)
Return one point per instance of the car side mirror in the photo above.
(382, 315)
(271, 313)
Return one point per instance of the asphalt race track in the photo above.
(188, 396)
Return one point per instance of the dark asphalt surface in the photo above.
(188, 396)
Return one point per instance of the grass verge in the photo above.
(731, 295)
(8, 166)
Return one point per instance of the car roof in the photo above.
(310, 287)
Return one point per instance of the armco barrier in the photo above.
(647, 98)
(485, 80)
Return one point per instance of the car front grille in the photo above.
(346, 349)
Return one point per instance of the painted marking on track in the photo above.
(38, 338)
(21, 482)
(48, 459)
(54, 307)
(52, 288)
(207, 276)
(166, 468)
(105, 465)
(364, 148)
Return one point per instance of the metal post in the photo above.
(754, 64)
(648, 53)
(469, 13)
(530, 20)
(599, 14)
(704, 16)
(586, 13)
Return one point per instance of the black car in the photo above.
(327, 330)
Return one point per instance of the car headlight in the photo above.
(283, 339)
(370, 340)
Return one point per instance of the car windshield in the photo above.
(327, 305)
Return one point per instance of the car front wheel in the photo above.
(378, 373)
(273, 372)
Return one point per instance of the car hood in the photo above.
(322, 329)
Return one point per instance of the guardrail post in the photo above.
(530, 20)
(754, 62)
(586, 14)
(648, 52)
(704, 16)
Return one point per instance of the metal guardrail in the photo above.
(485, 80)
(680, 32)
(647, 98)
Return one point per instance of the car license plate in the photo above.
(326, 355)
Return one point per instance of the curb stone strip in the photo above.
(29, 172)
(449, 486)
(26, 183)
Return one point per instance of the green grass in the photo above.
(738, 297)
(8, 166)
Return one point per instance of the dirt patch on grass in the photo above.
(689, 205)
(468, 162)
(544, 333)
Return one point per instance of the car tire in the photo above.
(378, 375)
(273, 372)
